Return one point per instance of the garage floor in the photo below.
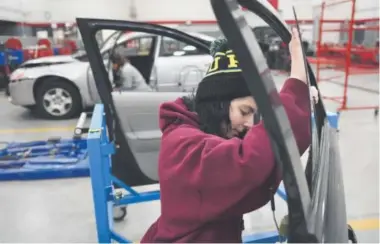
(62, 210)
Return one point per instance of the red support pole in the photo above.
(319, 42)
(337, 55)
(348, 54)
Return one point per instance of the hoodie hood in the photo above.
(174, 114)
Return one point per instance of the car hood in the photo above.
(60, 59)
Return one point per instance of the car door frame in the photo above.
(130, 173)
(305, 224)
(153, 74)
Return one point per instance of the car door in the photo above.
(132, 117)
(179, 66)
(316, 201)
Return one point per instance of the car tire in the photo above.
(57, 99)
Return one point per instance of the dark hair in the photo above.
(212, 114)
(116, 58)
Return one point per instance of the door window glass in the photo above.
(141, 45)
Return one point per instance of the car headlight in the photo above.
(19, 76)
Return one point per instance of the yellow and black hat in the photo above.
(223, 80)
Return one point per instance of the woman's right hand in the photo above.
(298, 66)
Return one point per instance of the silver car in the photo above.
(60, 87)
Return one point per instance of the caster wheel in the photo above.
(351, 235)
(119, 213)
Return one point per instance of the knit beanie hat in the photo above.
(223, 80)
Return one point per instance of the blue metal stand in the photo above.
(100, 150)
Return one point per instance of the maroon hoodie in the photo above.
(207, 183)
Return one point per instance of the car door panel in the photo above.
(139, 114)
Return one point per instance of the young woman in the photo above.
(216, 162)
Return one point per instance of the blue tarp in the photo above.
(43, 160)
(13, 56)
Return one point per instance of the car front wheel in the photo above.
(57, 99)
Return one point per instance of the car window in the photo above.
(171, 47)
(264, 33)
(143, 45)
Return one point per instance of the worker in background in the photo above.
(126, 76)
(216, 161)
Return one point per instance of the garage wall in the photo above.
(158, 10)
(201, 9)
(196, 12)
(367, 9)
(45, 11)
(364, 9)
(11, 10)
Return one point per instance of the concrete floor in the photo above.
(62, 210)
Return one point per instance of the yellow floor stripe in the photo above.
(357, 225)
(365, 224)
(36, 130)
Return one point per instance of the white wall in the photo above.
(304, 9)
(157, 10)
(201, 9)
(62, 10)
(364, 9)
(174, 10)
(367, 9)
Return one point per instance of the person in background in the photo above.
(216, 161)
(127, 77)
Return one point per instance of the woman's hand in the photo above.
(298, 66)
